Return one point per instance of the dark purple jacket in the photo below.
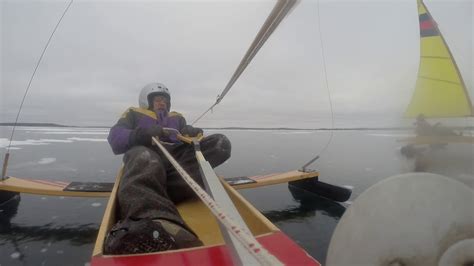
(137, 117)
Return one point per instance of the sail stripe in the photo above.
(436, 57)
(429, 33)
(424, 17)
(427, 24)
(442, 80)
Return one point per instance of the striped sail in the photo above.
(440, 90)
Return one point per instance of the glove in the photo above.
(190, 131)
(142, 136)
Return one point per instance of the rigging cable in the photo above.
(279, 11)
(7, 154)
(329, 95)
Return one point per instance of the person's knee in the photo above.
(140, 154)
(223, 146)
(216, 149)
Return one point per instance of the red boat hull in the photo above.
(276, 243)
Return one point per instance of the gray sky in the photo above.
(104, 52)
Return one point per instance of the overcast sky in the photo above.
(104, 52)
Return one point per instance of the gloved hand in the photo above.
(190, 131)
(142, 136)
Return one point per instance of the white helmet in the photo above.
(152, 89)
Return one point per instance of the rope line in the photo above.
(278, 13)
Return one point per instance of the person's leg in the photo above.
(142, 190)
(216, 149)
(148, 219)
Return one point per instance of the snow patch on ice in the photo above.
(34, 142)
(76, 130)
(46, 160)
(96, 204)
(15, 255)
(75, 133)
(4, 142)
(87, 139)
(388, 135)
(293, 132)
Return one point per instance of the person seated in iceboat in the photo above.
(148, 220)
(423, 128)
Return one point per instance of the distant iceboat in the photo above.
(440, 91)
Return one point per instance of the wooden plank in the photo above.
(59, 188)
(276, 178)
(45, 187)
(109, 217)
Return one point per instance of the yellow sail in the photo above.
(440, 90)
